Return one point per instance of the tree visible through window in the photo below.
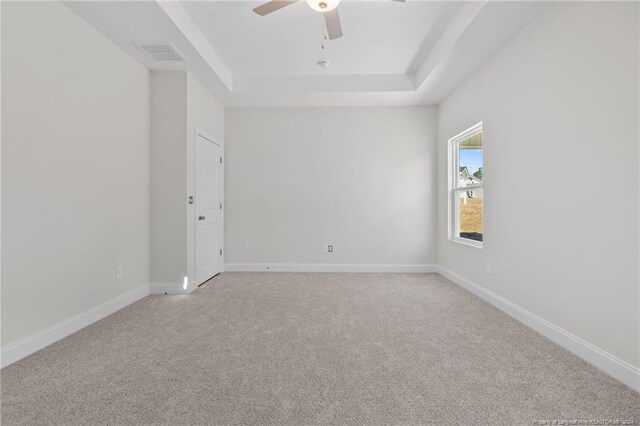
(466, 159)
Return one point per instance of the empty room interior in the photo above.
(356, 212)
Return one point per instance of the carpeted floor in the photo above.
(274, 348)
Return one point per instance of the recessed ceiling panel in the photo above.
(380, 37)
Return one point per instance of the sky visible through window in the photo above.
(471, 158)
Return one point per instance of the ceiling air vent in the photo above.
(161, 52)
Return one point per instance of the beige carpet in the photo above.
(274, 348)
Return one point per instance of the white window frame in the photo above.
(454, 189)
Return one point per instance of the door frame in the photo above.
(200, 132)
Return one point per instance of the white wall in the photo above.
(560, 110)
(179, 104)
(75, 168)
(168, 176)
(362, 179)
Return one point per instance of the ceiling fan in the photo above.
(328, 8)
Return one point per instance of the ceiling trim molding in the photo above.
(183, 21)
(463, 19)
(278, 84)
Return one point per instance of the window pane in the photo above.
(469, 205)
(470, 161)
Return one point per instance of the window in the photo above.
(465, 187)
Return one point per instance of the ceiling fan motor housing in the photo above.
(323, 5)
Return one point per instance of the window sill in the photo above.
(466, 242)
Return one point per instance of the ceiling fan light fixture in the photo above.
(323, 5)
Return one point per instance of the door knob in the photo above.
(201, 218)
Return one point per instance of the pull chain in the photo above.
(324, 38)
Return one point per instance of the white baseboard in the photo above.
(610, 364)
(30, 344)
(168, 288)
(325, 267)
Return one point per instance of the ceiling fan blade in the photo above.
(272, 6)
(332, 21)
(401, 1)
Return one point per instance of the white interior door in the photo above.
(208, 209)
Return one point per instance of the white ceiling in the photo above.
(381, 37)
(392, 53)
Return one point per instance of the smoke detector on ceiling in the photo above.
(161, 51)
(324, 63)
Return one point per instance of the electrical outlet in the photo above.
(327, 248)
(488, 267)
(118, 272)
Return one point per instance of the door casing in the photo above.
(201, 133)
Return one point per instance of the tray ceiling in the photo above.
(392, 53)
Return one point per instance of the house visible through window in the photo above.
(466, 159)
